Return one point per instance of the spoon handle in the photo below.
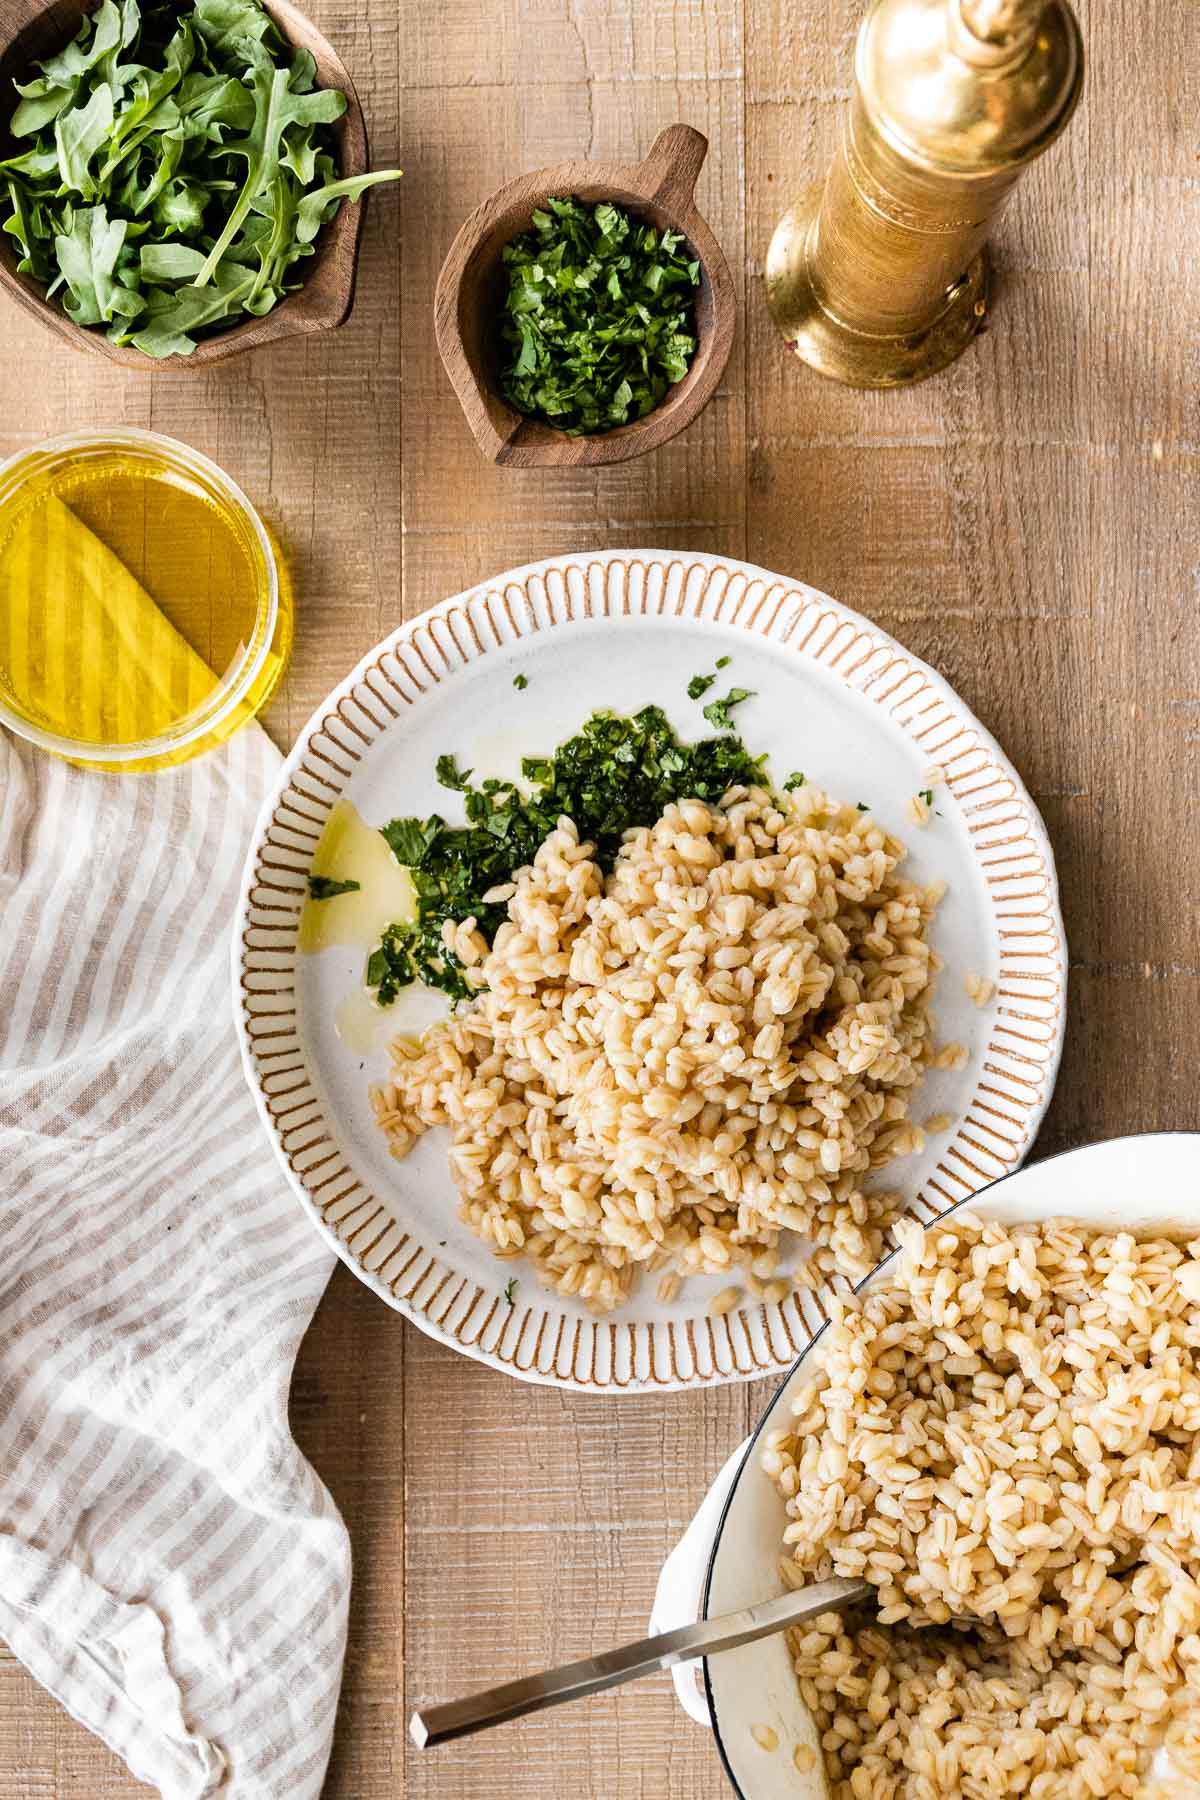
(592, 1674)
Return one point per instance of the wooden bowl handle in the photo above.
(668, 174)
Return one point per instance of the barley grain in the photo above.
(717, 1041)
(1002, 1432)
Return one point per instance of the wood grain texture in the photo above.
(1029, 522)
(30, 30)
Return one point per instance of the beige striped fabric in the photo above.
(170, 1566)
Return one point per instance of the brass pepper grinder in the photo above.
(878, 276)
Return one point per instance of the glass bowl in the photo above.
(144, 611)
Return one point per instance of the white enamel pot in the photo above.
(730, 1553)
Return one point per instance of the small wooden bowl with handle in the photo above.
(473, 282)
(31, 30)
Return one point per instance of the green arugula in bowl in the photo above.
(179, 167)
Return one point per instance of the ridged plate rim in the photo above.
(537, 1340)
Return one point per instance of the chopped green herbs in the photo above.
(717, 711)
(323, 887)
(795, 780)
(520, 681)
(177, 166)
(449, 774)
(862, 806)
(615, 774)
(410, 839)
(700, 684)
(599, 317)
(510, 1291)
(927, 796)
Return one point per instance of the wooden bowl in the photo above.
(471, 287)
(30, 30)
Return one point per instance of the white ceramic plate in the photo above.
(834, 696)
(1136, 1184)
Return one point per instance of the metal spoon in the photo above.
(431, 1725)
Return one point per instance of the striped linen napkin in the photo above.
(170, 1566)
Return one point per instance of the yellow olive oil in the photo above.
(140, 607)
(351, 850)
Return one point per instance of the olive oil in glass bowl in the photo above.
(144, 612)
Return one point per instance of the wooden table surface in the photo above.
(1029, 523)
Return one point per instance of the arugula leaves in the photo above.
(175, 169)
(276, 107)
(228, 25)
(599, 317)
(78, 135)
(318, 206)
(88, 258)
(615, 774)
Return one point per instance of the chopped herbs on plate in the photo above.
(510, 1291)
(599, 317)
(324, 887)
(615, 774)
(717, 711)
(700, 684)
(520, 681)
(448, 773)
(795, 780)
(176, 167)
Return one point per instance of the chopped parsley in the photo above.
(796, 779)
(520, 681)
(615, 774)
(717, 711)
(449, 774)
(323, 887)
(927, 796)
(599, 317)
(510, 1291)
(700, 684)
(862, 806)
(410, 839)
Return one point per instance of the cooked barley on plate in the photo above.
(1001, 1436)
(667, 1065)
